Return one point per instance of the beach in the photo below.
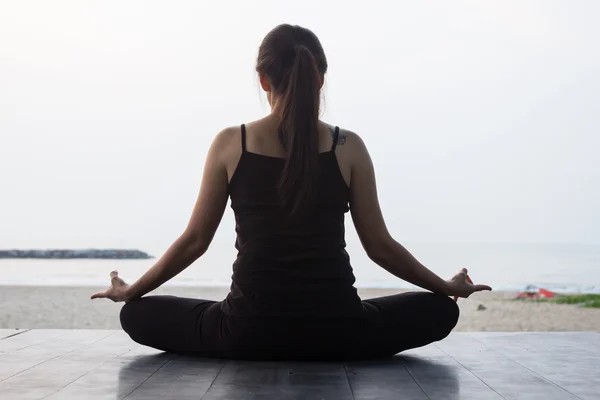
(69, 307)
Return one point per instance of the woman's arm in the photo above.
(375, 237)
(194, 241)
(204, 221)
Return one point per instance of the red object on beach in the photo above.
(540, 293)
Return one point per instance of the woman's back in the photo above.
(288, 264)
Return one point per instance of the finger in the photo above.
(115, 280)
(461, 276)
(479, 288)
(99, 295)
(468, 278)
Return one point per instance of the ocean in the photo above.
(504, 266)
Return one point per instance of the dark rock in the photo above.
(115, 254)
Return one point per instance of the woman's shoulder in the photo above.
(347, 140)
(229, 140)
(228, 133)
(224, 139)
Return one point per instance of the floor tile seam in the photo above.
(90, 371)
(348, 380)
(58, 356)
(214, 380)
(20, 332)
(471, 372)
(146, 380)
(527, 368)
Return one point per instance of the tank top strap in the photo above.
(336, 135)
(243, 138)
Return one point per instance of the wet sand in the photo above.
(26, 307)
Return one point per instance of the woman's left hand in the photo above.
(461, 285)
(118, 290)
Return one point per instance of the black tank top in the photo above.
(289, 266)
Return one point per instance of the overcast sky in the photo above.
(482, 117)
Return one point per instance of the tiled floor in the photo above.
(94, 364)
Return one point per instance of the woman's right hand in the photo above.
(461, 285)
(117, 291)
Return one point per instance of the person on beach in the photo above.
(291, 179)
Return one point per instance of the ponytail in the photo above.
(298, 130)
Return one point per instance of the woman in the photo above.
(291, 179)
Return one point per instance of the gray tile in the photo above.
(442, 377)
(34, 348)
(115, 379)
(570, 361)
(383, 380)
(270, 380)
(583, 340)
(509, 379)
(122, 367)
(40, 370)
(181, 378)
(92, 365)
(29, 338)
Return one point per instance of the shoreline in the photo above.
(69, 307)
(558, 289)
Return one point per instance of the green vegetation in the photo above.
(583, 300)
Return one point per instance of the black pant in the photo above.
(389, 325)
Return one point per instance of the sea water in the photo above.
(505, 266)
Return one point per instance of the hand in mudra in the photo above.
(118, 290)
(462, 286)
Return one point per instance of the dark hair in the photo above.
(293, 60)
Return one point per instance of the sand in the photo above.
(30, 307)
